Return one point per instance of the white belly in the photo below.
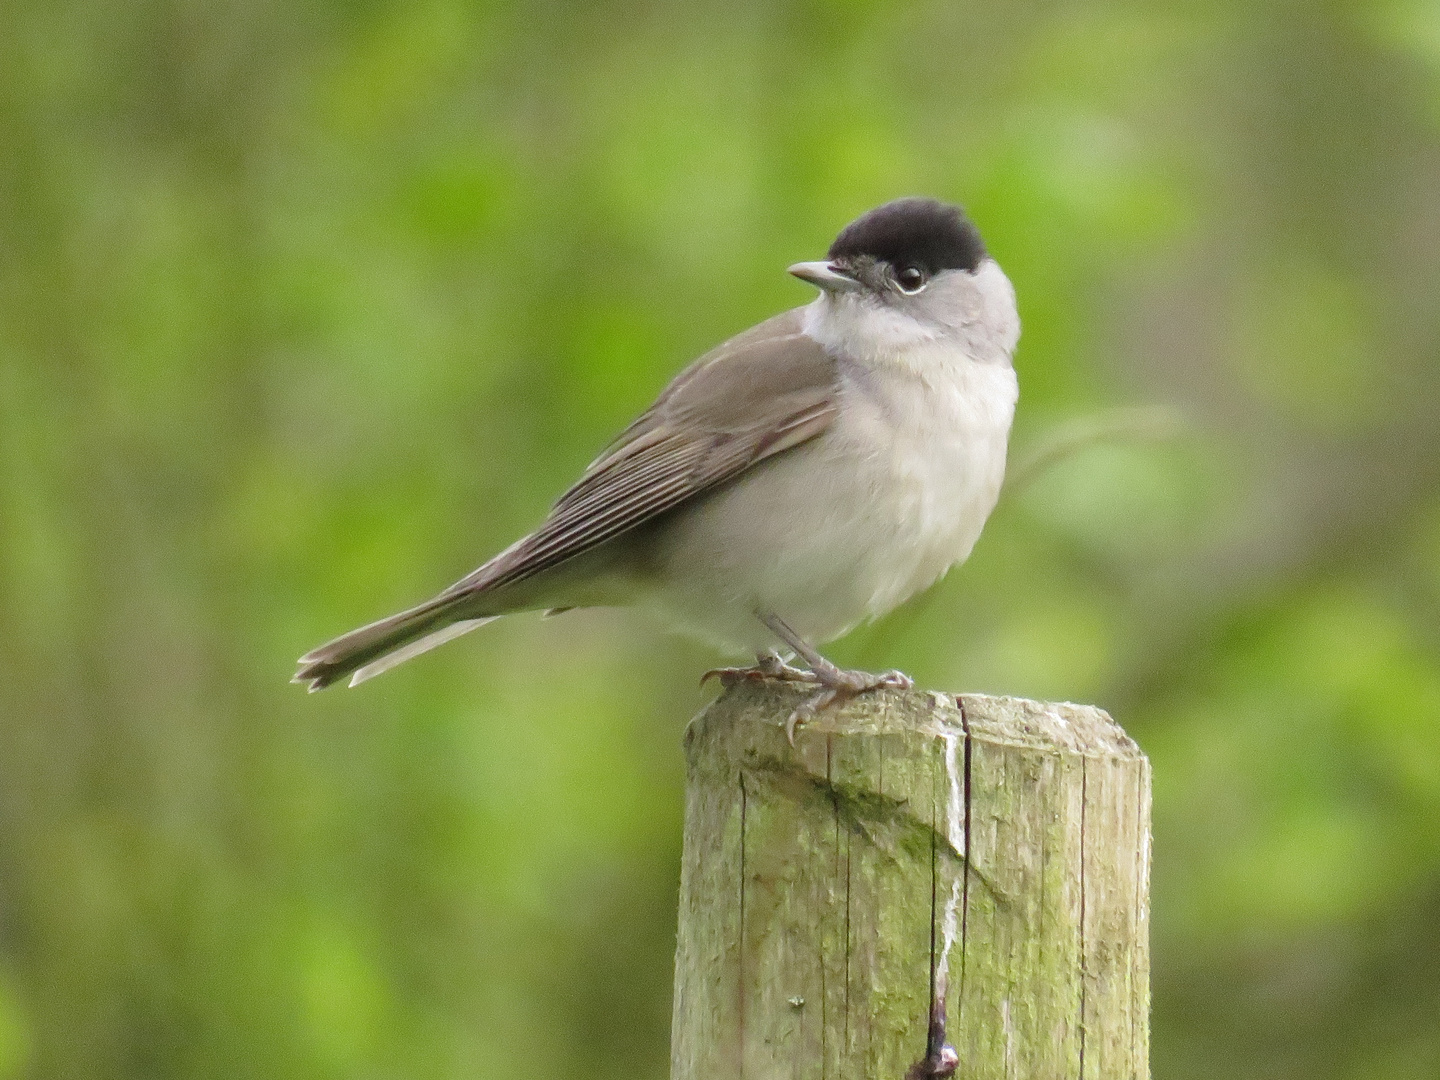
(851, 524)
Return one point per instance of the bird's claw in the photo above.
(835, 683)
(806, 709)
(841, 685)
(893, 680)
(729, 676)
(766, 666)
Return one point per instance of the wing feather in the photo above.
(756, 396)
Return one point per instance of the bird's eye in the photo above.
(910, 278)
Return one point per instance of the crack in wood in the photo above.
(940, 1058)
(846, 1041)
(744, 808)
(1084, 962)
(1048, 801)
(965, 886)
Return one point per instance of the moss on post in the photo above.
(831, 924)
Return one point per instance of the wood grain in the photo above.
(831, 924)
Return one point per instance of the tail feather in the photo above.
(415, 648)
(381, 645)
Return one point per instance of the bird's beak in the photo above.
(825, 275)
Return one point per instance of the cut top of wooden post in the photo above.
(921, 879)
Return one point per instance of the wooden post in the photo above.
(832, 926)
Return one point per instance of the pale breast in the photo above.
(937, 481)
(845, 527)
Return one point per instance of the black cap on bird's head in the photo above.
(912, 239)
(926, 233)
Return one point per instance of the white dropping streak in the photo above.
(955, 833)
(1009, 1038)
(951, 925)
(954, 811)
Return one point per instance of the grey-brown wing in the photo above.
(757, 395)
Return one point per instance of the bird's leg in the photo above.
(768, 665)
(836, 683)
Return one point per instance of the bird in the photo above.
(809, 474)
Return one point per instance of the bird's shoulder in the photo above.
(754, 380)
(758, 394)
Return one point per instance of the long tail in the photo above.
(364, 653)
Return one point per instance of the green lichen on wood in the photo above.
(826, 896)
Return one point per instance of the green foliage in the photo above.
(305, 309)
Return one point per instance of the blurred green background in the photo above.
(307, 308)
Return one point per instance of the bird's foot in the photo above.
(768, 665)
(838, 686)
